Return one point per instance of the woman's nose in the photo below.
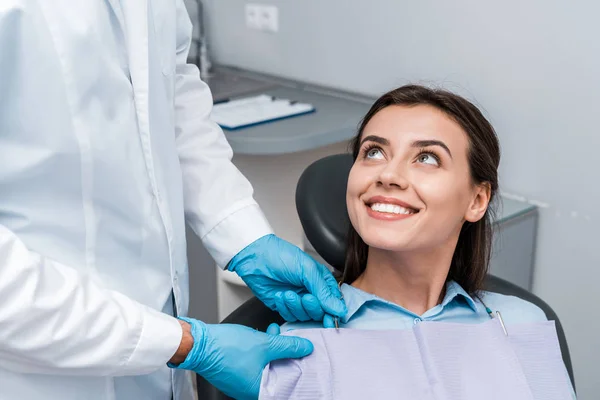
(392, 175)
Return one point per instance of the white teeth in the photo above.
(390, 208)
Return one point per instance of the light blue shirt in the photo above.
(367, 311)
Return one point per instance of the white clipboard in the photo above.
(250, 111)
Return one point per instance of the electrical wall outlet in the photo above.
(253, 13)
(269, 18)
(262, 17)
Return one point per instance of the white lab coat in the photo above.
(105, 142)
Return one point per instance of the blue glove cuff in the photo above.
(248, 250)
(194, 357)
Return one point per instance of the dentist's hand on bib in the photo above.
(232, 357)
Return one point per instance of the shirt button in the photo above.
(417, 320)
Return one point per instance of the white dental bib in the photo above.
(432, 361)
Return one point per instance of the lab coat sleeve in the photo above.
(56, 320)
(219, 202)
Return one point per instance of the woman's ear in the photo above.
(480, 202)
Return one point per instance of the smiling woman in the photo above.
(419, 198)
(424, 175)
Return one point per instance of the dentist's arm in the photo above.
(218, 199)
(220, 207)
(56, 320)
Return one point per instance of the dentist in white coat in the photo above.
(106, 152)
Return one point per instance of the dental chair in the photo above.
(321, 206)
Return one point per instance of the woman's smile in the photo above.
(389, 208)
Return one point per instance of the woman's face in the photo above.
(410, 187)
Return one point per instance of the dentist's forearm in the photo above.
(113, 335)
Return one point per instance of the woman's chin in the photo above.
(387, 243)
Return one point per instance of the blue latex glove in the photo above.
(233, 357)
(289, 281)
(274, 329)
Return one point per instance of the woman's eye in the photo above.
(427, 158)
(374, 153)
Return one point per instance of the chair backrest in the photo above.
(321, 206)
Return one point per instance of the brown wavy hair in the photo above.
(471, 257)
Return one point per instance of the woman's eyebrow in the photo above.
(428, 143)
(376, 139)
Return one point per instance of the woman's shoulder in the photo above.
(514, 310)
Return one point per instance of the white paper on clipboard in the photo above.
(254, 110)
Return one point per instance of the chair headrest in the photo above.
(321, 206)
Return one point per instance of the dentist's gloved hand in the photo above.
(233, 357)
(289, 281)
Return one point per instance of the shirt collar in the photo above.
(355, 298)
(454, 290)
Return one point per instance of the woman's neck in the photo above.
(415, 281)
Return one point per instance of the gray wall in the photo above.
(533, 65)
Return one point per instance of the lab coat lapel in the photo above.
(135, 16)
